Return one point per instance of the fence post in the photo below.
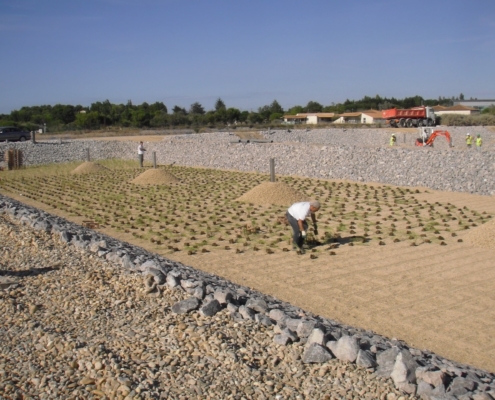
(87, 154)
(272, 170)
(154, 159)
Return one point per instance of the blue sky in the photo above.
(248, 53)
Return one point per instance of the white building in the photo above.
(458, 109)
(309, 118)
(361, 117)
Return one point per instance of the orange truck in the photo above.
(410, 117)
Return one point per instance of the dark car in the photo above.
(12, 133)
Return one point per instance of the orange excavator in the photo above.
(427, 140)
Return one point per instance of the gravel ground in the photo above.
(361, 155)
(74, 327)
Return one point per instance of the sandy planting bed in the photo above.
(400, 261)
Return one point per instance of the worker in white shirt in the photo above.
(296, 215)
(141, 151)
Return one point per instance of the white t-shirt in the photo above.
(141, 149)
(300, 210)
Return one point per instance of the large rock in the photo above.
(365, 359)
(258, 305)
(386, 362)
(277, 315)
(404, 372)
(185, 306)
(210, 308)
(317, 336)
(246, 312)
(347, 348)
(460, 386)
(316, 353)
(433, 377)
(223, 296)
(157, 275)
(305, 327)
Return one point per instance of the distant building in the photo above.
(309, 118)
(458, 109)
(361, 117)
(478, 104)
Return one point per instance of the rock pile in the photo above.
(360, 155)
(205, 336)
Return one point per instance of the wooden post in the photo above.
(272, 170)
(87, 154)
(154, 159)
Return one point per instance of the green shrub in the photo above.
(467, 120)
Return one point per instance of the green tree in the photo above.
(275, 107)
(160, 119)
(295, 110)
(179, 110)
(314, 107)
(220, 105)
(255, 118)
(244, 116)
(88, 120)
(233, 115)
(196, 108)
(158, 106)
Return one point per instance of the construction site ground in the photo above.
(440, 298)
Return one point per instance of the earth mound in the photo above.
(155, 177)
(89, 167)
(268, 193)
(482, 236)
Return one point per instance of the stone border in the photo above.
(413, 371)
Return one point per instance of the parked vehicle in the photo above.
(12, 133)
(417, 116)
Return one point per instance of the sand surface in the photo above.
(440, 298)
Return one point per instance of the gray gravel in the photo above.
(361, 155)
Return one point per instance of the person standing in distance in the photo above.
(296, 215)
(479, 142)
(469, 140)
(393, 139)
(141, 151)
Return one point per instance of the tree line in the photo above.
(104, 114)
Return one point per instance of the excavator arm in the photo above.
(433, 136)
